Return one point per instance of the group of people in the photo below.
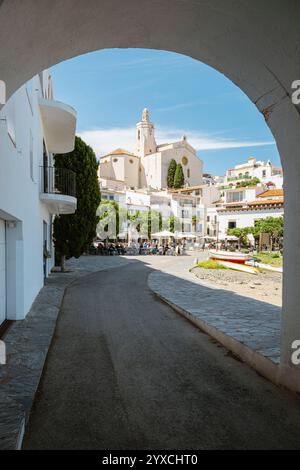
(142, 248)
(163, 248)
(102, 248)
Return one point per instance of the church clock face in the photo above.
(184, 160)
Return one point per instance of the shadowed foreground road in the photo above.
(127, 372)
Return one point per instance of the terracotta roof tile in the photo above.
(271, 193)
(266, 202)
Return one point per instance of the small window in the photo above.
(139, 134)
(114, 160)
(131, 161)
(232, 224)
(184, 160)
(188, 172)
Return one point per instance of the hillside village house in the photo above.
(169, 203)
(33, 126)
(245, 212)
(266, 172)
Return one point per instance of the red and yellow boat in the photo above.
(231, 256)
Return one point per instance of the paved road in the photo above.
(125, 371)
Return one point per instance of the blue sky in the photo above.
(110, 88)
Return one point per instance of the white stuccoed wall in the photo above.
(244, 218)
(20, 205)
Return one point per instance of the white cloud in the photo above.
(105, 140)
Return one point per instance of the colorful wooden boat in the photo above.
(239, 267)
(231, 256)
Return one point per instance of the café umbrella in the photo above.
(162, 234)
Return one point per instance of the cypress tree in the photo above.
(179, 177)
(73, 233)
(171, 173)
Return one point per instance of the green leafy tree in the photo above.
(240, 233)
(179, 177)
(274, 226)
(150, 222)
(173, 224)
(73, 233)
(109, 219)
(136, 220)
(171, 173)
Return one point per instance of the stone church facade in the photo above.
(148, 166)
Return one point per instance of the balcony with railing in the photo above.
(58, 189)
(240, 177)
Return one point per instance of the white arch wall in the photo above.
(255, 44)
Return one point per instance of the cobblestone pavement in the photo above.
(251, 322)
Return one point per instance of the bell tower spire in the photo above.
(145, 140)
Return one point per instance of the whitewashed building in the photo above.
(266, 172)
(33, 126)
(269, 203)
(188, 205)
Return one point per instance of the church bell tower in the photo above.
(145, 140)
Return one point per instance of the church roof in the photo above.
(119, 151)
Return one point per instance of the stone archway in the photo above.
(255, 44)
